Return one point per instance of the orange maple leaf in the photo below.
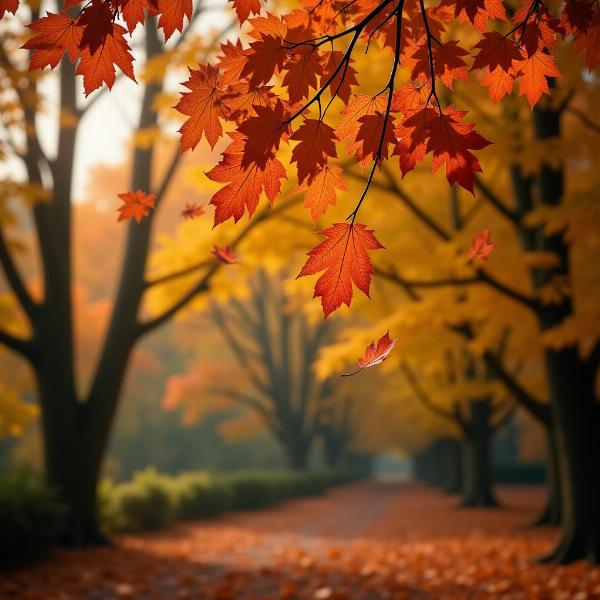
(136, 205)
(374, 355)
(245, 8)
(244, 186)
(481, 246)
(344, 256)
(98, 67)
(172, 14)
(56, 34)
(224, 255)
(203, 104)
(320, 191)
(533, 72)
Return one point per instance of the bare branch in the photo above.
(24, 347)
(15, 281)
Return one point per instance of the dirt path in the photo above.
(372, 541)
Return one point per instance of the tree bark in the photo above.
(551, 514)
(477, 469)
(453, 468)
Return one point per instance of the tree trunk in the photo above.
(551, 514)
(333, 448)
(452, 470)
(477, 469)
(296, 454)
(577, 436)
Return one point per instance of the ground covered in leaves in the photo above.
(368, 541)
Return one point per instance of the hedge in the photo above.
(31, 517)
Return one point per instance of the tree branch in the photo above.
(24, 347)
(15, 281)
(424, 397)
(203, 284)
(495, 201)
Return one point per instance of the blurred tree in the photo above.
(76, 424)
(274, 347)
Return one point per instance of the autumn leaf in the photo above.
(98, 68)
(192, 211)
(245, 8)
(321, 190)
(344, 256)
(264, 133)
(450, 143)
(264, 58)
(316, 144)
(55, 35)
(374, 355)
(244, 185)
(10, 6)
(533, 72)
(481, 246)
(172, 14)
(136, 205)
(203, 104)
(224, 255)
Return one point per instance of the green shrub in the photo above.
(143, 504)
(200, 496)
(31, 517)
(254, 489)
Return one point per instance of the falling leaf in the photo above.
(224, 255)
(375, 355)
(136, 205)
(192, 211)
(481, 246)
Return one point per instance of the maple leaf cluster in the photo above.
(92, 37)
(301, 53)
(278, 90)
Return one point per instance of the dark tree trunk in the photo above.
(575, 409)
(333, 449)
(477, 468)
(551, 514)
(452, 469)
(577, 434)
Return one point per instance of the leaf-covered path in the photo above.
(366, 542)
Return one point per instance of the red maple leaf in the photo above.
(344, 256)
(172, 14)
(316, 144)
(10, 6)
(136, 205)
(134, 12)
(97, 23)
(448, 64)
(99, 67)
(56, 34)
(342, 82)
(481, 246)
(264, 133)
(244, 186)
(192, 211)
(320, 191)
(245, 8)
(264, 58)
(450, 142)
(203, 104)
(302, 71)
(375, 355)
(224, 255)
